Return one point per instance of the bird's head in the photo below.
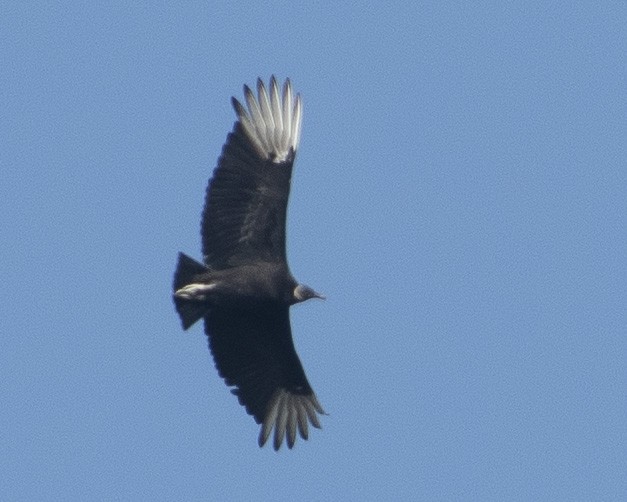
(302, 293)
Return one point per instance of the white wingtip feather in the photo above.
(272, 122)
(288, 415)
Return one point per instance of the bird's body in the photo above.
(244, 288)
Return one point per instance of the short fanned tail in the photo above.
(189, 310)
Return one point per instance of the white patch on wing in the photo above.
(288, 413)
(272, 123)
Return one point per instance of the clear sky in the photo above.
(460, 196)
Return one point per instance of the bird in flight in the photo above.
(244, 289)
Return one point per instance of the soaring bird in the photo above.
(244, 289)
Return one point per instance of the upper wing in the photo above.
(253, 351)
(246, 202)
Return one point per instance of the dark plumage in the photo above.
(244, 289)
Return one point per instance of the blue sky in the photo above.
(460, 196)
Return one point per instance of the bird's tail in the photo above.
(189, 310)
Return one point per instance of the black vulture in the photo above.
(244, 289)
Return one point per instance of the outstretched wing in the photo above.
(246, 202)
(253, 351)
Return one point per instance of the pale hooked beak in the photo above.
(303, 292)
